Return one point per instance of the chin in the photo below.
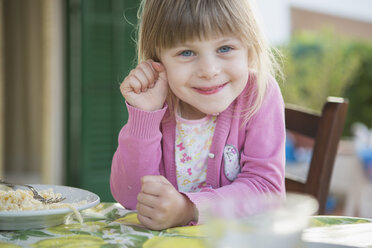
(215, 111)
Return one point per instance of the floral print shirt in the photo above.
(193, 141)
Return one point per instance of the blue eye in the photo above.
(187, 53)
(224, 49)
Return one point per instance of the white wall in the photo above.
(276, 13)
(360, 10)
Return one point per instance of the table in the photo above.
(110, 225)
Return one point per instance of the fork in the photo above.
(35, 193)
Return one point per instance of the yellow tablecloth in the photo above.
(110, 225)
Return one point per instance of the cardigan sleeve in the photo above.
(138, 154)
(262, 161)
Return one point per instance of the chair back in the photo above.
(325, 129)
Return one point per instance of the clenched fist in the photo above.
(161, 206)
(146, 86)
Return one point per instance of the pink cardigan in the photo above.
(147, 147)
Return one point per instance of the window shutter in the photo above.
(101, 52)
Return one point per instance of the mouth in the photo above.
(210, 90)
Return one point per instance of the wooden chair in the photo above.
(326, 131)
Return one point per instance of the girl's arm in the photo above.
(138, 154)
(135, 174)
(262, 160)
(139, 151)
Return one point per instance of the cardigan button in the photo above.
(211, 155)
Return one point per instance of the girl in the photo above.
(206, 119)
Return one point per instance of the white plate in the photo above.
(16, 220)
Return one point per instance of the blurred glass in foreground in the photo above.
(273, 222)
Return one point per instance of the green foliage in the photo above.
(315, 67)
(321, 64)
(359, 92)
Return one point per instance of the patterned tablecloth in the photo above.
(110, 225)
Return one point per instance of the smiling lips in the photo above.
(210, 90)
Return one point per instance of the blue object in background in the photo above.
(363, 146)
(295, 154)
(331, 204)
(365, 155)
(290, 150)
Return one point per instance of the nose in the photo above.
(208, 67)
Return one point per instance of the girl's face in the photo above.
(207, 75)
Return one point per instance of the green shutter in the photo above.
(101, 52)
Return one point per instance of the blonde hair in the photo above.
(166, 23)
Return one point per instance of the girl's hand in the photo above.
(146, 86)
(161, 206)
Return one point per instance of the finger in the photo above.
(159, 67)
(144, 74)
(140, 75)
(154, 179)
(145, 210)
(131, 83)
(155, 185)
(150, 212)
(147, 199)
(146, 221)
(150, 73)
(154, 188)
(150, 223)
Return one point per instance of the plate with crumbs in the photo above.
(79, 199)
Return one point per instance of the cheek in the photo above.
(173, 80)
(176, 76)
(174, 83)
(238, 67)
(239, 72)
(244, 69)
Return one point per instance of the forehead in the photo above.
(187, 21)
(195, 39)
